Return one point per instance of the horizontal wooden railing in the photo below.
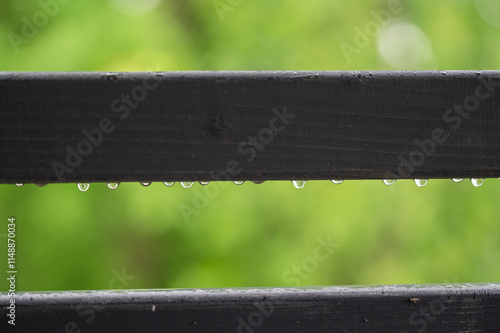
(384, 309)
(205, 126)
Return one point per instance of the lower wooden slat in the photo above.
(385, 309)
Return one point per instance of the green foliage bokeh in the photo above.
(249, 235)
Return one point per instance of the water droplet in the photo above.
(299, 183)
(41, 184)
(83, 186)
(457, 180)
(239, 182)
(169, 183)
(477, 181)
(113, 186)
(187, 184)
(19, 184)
(389, 181)
(420, 182)
(337, 181)
(145, 184)
(258, 182)
(204, 183)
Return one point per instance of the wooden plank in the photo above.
(387, 309)
(192, 126)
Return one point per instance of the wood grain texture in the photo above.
(191, 126)
(384, 309)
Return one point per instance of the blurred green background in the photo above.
(251, 235)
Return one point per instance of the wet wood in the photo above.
(384, 309)
(98, 127)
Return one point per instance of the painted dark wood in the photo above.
(384, 309)
(233, 126)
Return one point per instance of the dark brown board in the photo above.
(191, 126)
(376, 309)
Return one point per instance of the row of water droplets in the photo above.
(419, 182)
(85, 186)
(297, 183)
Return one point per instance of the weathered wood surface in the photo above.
(384, 309)
(98, 127)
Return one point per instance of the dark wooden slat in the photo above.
(200, 125)
(387, 309)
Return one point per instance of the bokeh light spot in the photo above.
(404, 46)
